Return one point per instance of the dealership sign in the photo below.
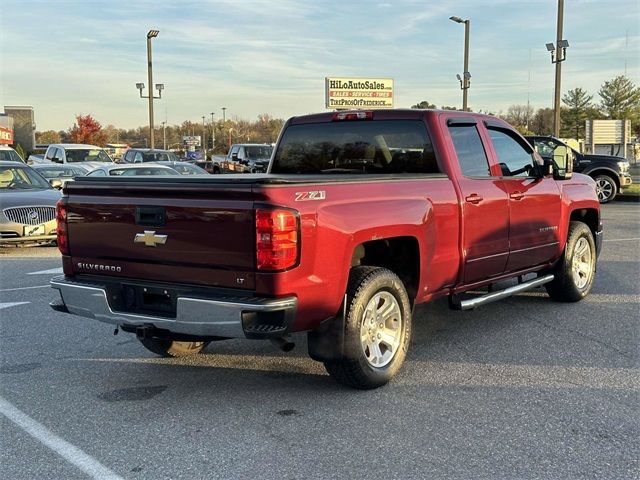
(6, 136)
(347, 93)
(191, 141)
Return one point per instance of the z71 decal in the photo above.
(313, 195)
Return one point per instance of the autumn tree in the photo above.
(542, 122)
(47, 137)
(87, 130)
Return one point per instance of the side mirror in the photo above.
(234, 157)
(56, 183)
(56, 160)
(562, 163)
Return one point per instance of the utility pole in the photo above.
(224, 117)
(556, 97)
(213, 134)
(164, 135)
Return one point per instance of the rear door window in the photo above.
(470, 151)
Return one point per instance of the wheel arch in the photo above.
(609, 172)
(399, 254)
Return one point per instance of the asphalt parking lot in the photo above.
(525, 388)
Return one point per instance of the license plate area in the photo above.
(145, 300)
(33, 230)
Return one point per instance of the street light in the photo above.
(465, 81)
(164, 135)
(213, 134)
(558, 55)
(159, 86)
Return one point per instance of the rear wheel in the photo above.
(171, 348)
(576, 270)
(606, 188)
(377, 329)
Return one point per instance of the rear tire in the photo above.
(575, 271)
(377, 329)
(172, 348)
(606, 188)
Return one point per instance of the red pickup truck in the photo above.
(361, 216)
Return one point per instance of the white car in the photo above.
(9, 154)
(88, 155)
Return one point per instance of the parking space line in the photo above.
(24, 288)
(70, 453)
(11, 304)
(621, 239)
(47, 272)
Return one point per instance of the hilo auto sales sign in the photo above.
(351, 93)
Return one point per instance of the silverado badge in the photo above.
(150, 239)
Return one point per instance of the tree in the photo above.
(578, 103)
(520, 116)
(47, 137)
(87, 130)
(542, 122)
(619, 98)
(424, 104)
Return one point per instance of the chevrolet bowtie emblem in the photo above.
(150, 239)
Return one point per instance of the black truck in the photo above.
(610, 173)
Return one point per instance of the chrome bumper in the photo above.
(218, 317)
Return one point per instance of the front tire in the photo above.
(171, 348)
(606, 188)
(377, 329)
(576, 270)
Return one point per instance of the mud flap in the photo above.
(326, 342)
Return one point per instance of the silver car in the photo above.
(27, 205)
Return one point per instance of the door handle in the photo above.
(516, 196)
(473, 198)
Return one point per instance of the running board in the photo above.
(472, 303)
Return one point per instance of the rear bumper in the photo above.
(210, 316)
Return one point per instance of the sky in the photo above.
(69, 57)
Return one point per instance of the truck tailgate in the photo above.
(159, 231)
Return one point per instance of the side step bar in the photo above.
(472, 303)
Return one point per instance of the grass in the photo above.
(633, 189)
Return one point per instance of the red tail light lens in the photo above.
(277, 239)
(61, 227)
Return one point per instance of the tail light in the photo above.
(277, 238)
(61, 227)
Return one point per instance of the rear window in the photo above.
(386, 146)
(81, 155)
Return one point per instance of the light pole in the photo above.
(213, 134)
(465, 81)
(164, 135)
(558, 55)
(140, 86)
(204, 139)
(224, 117)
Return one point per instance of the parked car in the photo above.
(363, 216)
(247, 158)
(28, 205)
(184, 168)
(8, 154)
(59, 174)
(37, 159)
(77, 153)
(141, 155)
(115, 170)
(610, 173)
